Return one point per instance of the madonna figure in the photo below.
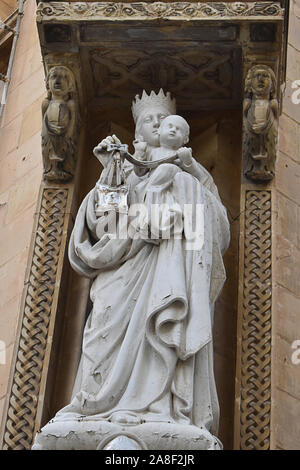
(146, 370)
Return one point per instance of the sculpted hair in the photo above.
(249, 78)
(69, 76)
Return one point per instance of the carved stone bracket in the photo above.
(253, 392)
(260, 116)
(60, 125)
(24, 408)
(253, 367)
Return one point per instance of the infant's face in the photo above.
(173, 132)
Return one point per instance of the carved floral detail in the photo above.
(157, 10)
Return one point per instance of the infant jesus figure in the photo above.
(173, 135)
(162, 187)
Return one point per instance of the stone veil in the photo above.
(146, 370)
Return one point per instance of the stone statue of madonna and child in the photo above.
(145, 378)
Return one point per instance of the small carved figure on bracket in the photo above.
(260, 111)
(59, 125)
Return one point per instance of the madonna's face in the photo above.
(148, 124)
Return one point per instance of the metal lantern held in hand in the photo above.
(111, 189)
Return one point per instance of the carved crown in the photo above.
(159, 100)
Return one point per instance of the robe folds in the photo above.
(147, 345)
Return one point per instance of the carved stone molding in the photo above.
(41, 295)
(254, 349)
(141, 10)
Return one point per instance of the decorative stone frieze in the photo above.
(175, 10)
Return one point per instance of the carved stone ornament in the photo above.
(42, 284)
(260, 111)
(254, 395)
(174, 10)
(60, 123)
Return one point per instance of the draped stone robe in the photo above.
(147, 345)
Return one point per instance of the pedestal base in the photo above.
(90, 433)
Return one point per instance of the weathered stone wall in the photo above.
(20, 177)
(7, 7)
(286, 262)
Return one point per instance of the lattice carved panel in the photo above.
(23, 402)
(255, 353)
